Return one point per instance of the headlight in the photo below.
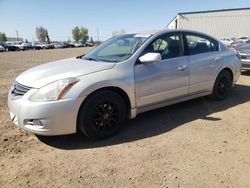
(53, 91)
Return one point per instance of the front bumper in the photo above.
(44, 118)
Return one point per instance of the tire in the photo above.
(222, 85)
(102, 115)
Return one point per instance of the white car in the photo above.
(126, 75)
(2, 49)
(58, 45)
(228, 42)
(77, 44)
(21, 46)
(45, 46)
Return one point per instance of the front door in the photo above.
(168, 79)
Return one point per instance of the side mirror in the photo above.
(150, 58)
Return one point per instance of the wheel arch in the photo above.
(114, 89)
(229, 70)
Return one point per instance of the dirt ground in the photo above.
(199, 143)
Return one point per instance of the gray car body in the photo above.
(145, 86)
(244, 51)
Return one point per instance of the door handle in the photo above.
(182, 67)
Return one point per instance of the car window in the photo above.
(118, 48)
(169, 46)
(199, 44)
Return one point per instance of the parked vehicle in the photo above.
(68, 45)
(77, 44)
(2, 49)
(21, 46)
(11, 48)
(230, 42)
(124, 76)
(36, 46)
(28, 45)
(51, 46)
(59, 45)
(244, 51)
(88, 44)
(242, 39)
(9, 43)
(45, 45)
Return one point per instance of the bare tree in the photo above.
(42, 34)
(80, 34)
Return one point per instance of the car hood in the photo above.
(43, 74)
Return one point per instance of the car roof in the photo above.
(159, 32)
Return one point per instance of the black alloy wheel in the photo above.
(222, 85)
(102, 115)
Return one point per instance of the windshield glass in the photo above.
(118, 48)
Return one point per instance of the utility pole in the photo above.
(17, 36)
(97, 35)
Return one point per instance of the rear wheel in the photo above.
(222, 85)
(102, 115)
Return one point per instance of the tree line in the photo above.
(79, 34)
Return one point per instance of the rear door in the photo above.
(205, 61)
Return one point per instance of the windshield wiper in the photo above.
(80, 56)
(91, 59)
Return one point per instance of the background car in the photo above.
(242, 39)
(244, 52)
(58, 45)
(11, 47)
(44, 46)
(88, 44)
(36, 46)
(21, 46)
(230, 42)
(27, 45)
(68, 45)
(78, 44)
(2, 49)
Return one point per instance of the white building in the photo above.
(14, 39)
(218, 23)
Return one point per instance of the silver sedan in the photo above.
(126, 75)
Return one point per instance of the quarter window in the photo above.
(198, 45)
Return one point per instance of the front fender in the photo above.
(104, 84)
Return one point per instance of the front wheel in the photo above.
(102, 115)
(222, 85)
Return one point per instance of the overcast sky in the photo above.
(60, 16)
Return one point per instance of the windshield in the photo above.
(118, 48)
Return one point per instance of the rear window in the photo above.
(199, 44)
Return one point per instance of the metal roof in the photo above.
(210, 11)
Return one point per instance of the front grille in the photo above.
(19, 89)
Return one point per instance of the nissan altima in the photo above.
(121, 78)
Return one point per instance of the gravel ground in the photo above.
(198, 143)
